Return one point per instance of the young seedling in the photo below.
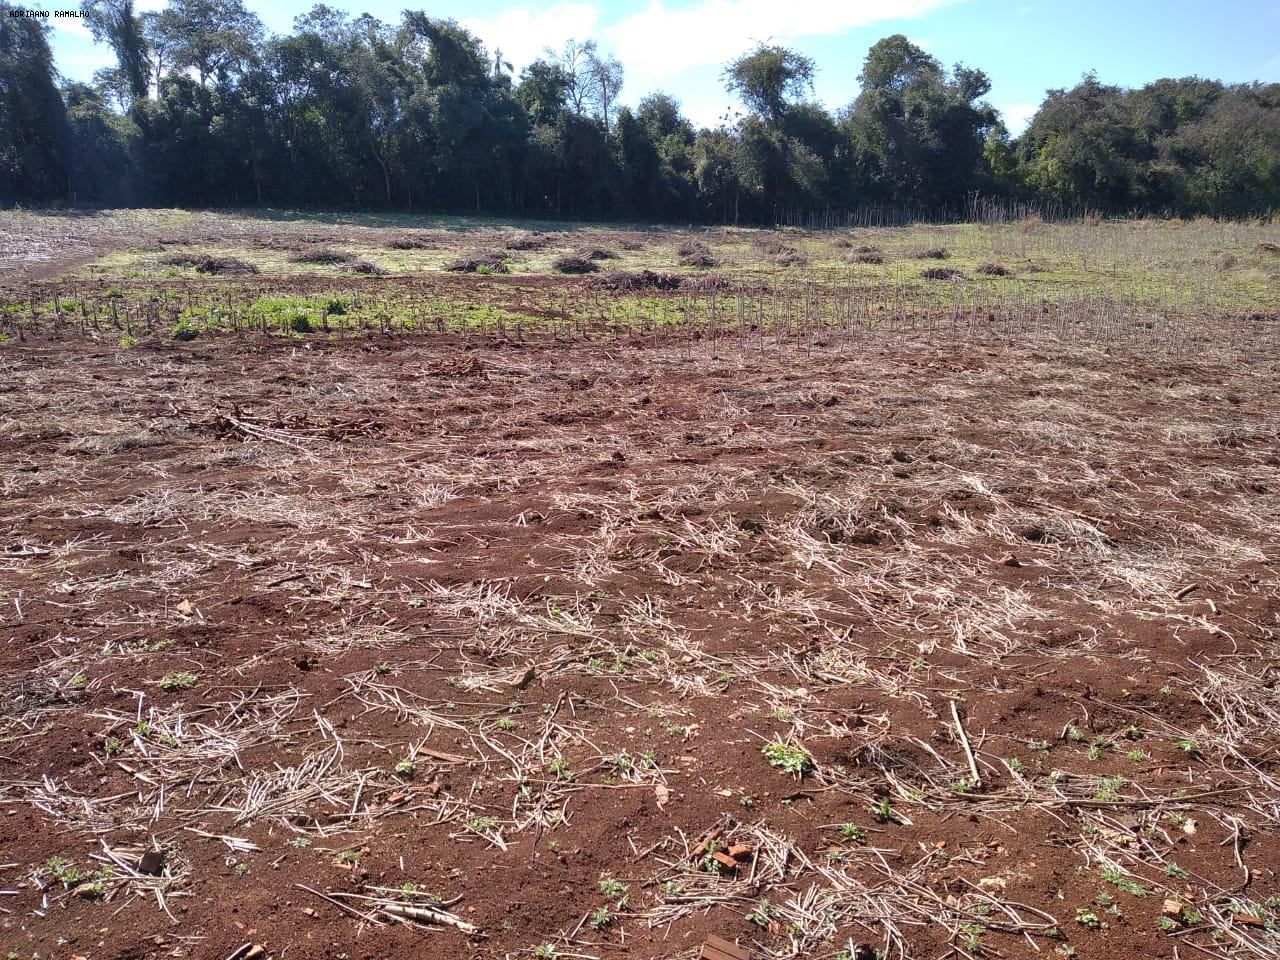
(560, 768)
(177, 680)
(613, 887)
(482, 825)
(971, 937)
(763, 914)
(1108, 789)
(788, 757)
(851, 831)
(1087, 918)
(884, 813)
(1123, 882)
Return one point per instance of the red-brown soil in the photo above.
(580, 587)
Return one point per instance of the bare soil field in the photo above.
(830, 621)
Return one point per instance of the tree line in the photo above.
(202, 108)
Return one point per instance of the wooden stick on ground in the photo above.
(418, 912)
(964, 742)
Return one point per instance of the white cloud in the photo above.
(662, 40)
(521, 33)
(1017, 116)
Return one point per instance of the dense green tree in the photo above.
(34, 135)
(1081, 146)
(200, 108)
(110, 142)
(767, 76)
(217, 38)
(116, 23)
(920, 133)
(543, 91)
(655, 149)
(1185, 146)
(1229, 159)
(717, 171)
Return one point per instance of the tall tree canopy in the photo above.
(115, 23)
(921, 132)
(767, 76)
(203, 107)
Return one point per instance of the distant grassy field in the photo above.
(209, 271)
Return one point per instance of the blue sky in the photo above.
(680, 46)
